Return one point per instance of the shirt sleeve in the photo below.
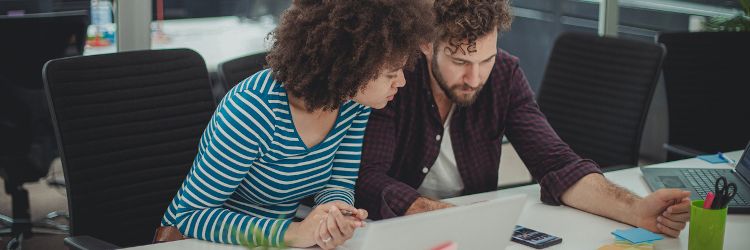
(382, 195)
(238, 131)
(550, 160)
(346, 162)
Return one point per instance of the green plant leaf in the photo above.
(736, 23)
(255, 236)
(745, 6)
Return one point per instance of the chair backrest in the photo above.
(596, 93)
(707, 85)
(127, 126)
(31, 40)
(15, 127)
(233, 71)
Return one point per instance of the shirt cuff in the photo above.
(555, 183)
(335, 194)
(282, 225)
(264, 232)
(397, 198)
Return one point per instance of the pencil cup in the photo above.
(706, 227)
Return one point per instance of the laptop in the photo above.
(700, 181)
(482, 225)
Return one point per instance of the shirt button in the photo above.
(425, 170)
(437, 137)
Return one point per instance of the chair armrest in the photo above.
(682, 150)
(85, 242)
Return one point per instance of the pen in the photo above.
(346, 212)
(729, 161)
(709, 200)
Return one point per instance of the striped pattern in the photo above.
(252, 168)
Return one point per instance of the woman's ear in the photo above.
(426, 49)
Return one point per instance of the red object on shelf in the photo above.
(97, 42)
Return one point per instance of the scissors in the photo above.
(725, 191)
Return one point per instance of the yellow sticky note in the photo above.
(625, 246)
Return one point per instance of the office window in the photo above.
(643, 20)
(218, 30)
(733, 4)
(537, 24)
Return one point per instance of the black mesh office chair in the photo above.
(706, 78)
(16, 166)
(596, 93)
(127, 126)
(28, 145)
(233, 71)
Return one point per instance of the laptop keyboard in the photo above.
(703, 180)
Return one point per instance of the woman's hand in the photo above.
(326, 225)
(337, 228)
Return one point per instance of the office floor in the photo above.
(43, 199)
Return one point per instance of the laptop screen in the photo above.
(743, 165)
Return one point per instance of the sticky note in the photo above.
(637, 235)
(621, 246)
(714, 159)
(620, 240)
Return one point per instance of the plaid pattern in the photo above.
(402, 143)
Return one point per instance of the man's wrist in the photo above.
(595, 194)
(422, 204)
(635, 216)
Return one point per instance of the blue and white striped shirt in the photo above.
(252, 168)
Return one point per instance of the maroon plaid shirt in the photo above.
(401, 142)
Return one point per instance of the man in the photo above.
(441, 135)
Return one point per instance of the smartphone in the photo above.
(534, 238)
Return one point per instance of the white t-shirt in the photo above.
(443, 181)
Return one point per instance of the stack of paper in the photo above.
(633, 239)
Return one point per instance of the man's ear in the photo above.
(426, 49)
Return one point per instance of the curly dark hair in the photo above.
(324, 51)
(461, 22)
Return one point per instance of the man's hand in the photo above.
(423, 204)
(665, 211)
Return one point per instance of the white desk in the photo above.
(581, 230)
(216, 39)
(578, 229)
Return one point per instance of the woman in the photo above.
(295, 130)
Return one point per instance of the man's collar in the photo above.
(423, 68)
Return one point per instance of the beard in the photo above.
(460, 99)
